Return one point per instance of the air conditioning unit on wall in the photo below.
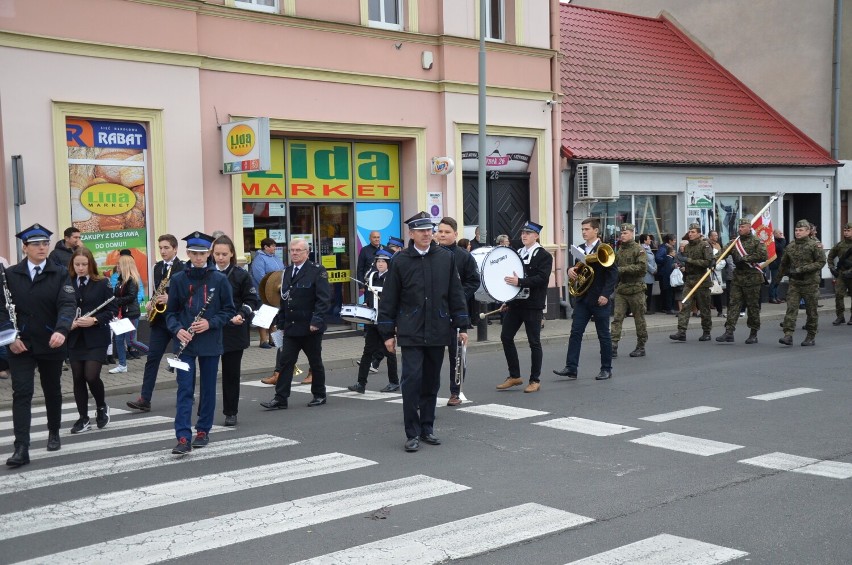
(596, 181)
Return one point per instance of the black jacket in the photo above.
(42, 306)
(246, 301)
(468, 270)
(61, 255)
(126, 298)
(365, 259)
(536, 277)
(376, 280)
(423, 299)
(605, 280)
(92, 296)
(305, 300)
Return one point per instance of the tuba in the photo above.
(604, 255)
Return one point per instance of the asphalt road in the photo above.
(565, 494)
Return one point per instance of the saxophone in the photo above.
(157, 309)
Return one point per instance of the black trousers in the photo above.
(374, 347)
(512, 321)
(23, 385)
(231, 361)
(421, 380)
(288, 354)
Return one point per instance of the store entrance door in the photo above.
(328, 228)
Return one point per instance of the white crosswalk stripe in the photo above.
(668, 416)
(137, 422)
(106, 505)
(370, 395)
(439, 401)
(42, 420)
(38, 478)
(665, 549)
(190, 538)
(38, 409)
(784, 393)
(503, 412)
(459, 539)
(583, 426)
(686, 444)
(805, 465)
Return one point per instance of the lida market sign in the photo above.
(245, 146)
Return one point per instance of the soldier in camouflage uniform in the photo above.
(632, 262)
(745, 286)
(842, 272)
(802, 262)
(699, 258)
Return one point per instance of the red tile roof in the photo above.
(636, 89)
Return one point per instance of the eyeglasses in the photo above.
(39, 243)
(298, 251)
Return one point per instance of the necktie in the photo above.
(36, 271)
(295, 272)
(82, 283)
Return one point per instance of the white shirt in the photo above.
(32, 267)
(590, 246)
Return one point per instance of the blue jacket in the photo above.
(188, 291)
(263, 264)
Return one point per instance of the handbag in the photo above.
(717, 286)
(676, 278)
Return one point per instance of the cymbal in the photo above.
(270, 288)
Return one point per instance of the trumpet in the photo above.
(97, 309)
(157, 309)
(605, 256)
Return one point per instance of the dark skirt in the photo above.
(88, 354)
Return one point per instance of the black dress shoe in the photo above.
(566, 372)
(412, 445)
(431, 439)
(20, 457)
(231, 421)
(357, 387)
(53, 443)
(390, 387)
(275, 404)
(604, 375)
(317, 401)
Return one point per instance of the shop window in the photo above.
(385, 14)
(655, 214)
(495, 20)
(729, 209)
(612, 215)
(270, 6)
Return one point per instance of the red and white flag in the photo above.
(762, 226)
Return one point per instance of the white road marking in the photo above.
(43, 419)
(583, 426)
(36, 478)
(784, 393)
(369, 395)
(113, 425)
(440, 401)
(457, 540)
(504, 412)
(203, 535)
(82, 510)
(664, 549)
(42, 408)
(805, 465)
(295, 387)
(680, 414)
(686, 444)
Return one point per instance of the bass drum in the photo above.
(496, 263)
(270, 288)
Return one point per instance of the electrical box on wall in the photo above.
(596, 181)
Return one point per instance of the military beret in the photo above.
(694, 226)
(848, 226)
(628, 227)
(744, 222)
(803, 224)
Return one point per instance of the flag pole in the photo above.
(727, 250)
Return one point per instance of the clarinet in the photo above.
(197, 318)
(99, 308)
(10, 305)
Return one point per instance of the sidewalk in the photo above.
(340, 353)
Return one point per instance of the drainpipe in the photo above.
(835, 122)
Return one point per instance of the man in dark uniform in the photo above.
(160, 335)
(593, 303)
(802, 262)
(745, 287)
(39, 302)
(394, 245)
(305, 300)
(448, 231)
(699, 257)
(201, 302)
(422, 301)
(526, 309)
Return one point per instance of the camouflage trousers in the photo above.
(748, 296)
(636, 303)
(796, 292)
(701, 299)
(841, 291)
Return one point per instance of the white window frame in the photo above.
(488, 15)
(383, 24)
(251, 5)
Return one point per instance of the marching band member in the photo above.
(200, 304)
(38, 293)
(235, 335)
(89, 337)
(160, 337)
(538, 263)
